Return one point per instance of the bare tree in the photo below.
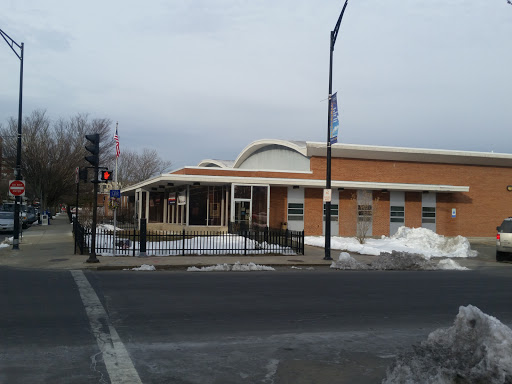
(366, 210)
(134, 167)
(51, 152)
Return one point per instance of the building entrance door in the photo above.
(242, 214)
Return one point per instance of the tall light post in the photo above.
(334, 35)
(12, 43)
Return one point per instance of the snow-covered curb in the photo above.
(231, 267)
(395, 261)
(143, 267)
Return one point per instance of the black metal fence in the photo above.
(127, 241)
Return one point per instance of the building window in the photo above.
(243, 192)
(428, 215)
(295, 211)
(397, 214)
(334, 212)
(364, 212)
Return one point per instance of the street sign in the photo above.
(17, 188)
(115, 193)
(327, 195)
(77, 174)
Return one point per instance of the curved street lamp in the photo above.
(12, 43)
(334, 35)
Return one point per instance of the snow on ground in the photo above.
(218, 245)
(228, 267)
(395, 261)
(476, 349)
(419, 241)
(108, 227)
(143, 267)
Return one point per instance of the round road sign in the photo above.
(17, 187)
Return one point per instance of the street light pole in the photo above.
(334, 35)
(12, 43)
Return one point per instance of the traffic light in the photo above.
(94, 149)
(82, 174)
(106, 175)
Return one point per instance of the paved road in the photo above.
(320, 326)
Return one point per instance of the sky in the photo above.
(203, 79)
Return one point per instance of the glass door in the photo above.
(242, 214)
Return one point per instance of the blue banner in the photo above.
(335, 124)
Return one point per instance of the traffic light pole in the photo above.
(94, 160)
(92, 257)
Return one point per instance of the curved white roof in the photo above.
(216, 163)
(298, 146)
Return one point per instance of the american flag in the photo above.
(116, 139)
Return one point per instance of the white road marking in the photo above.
(117, 360)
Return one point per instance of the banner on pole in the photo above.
(335, 124)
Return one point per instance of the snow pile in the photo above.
(395, 261)
(420, 241)
(143, 267)
(450, 264)
(476, 349)
(434, 244)
(235, 267)
(7, 242)
(345, 261)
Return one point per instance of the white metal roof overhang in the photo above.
(165, 182)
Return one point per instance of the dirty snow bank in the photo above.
(395, 261)
(476, 349)
(420, 241)
(143, 267)
(228, 267)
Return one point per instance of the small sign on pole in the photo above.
(115, 193)
(327, 195)
(16, 188)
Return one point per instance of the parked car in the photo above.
(31, 215)
(9, 207)
(6, 221)
(504, 240)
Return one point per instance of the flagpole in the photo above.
(115, 208)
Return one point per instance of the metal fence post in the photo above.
(183, 244)
(142, 247)
(134, 238)
(245, 243)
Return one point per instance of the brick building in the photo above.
(280, 184)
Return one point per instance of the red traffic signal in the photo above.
(106, 175)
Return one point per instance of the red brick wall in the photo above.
(278, 206)
(313, 211)
(380, 225)
(479, 211)
(413, 209)
(348, 212)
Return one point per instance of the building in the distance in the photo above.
(280, 184)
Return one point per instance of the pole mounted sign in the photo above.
(17, 188)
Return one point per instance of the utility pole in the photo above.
(334, 35)
(12, 43)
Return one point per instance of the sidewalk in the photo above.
(52, 247)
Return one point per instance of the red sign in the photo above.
(17, 187)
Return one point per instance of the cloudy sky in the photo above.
(202, 79)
